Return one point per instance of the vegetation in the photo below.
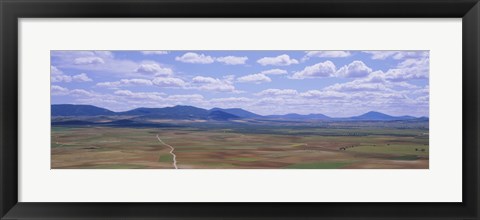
(243, 145)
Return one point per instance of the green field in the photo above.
(335, 146)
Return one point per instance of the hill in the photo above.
(175, 112)
(238, 112)
(79, 110)
(191, 112)
(378, 116)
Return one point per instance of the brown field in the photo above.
(294, 148)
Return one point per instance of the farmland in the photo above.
(253, 144)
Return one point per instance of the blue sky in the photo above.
(335, 83)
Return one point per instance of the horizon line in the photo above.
(245, 110)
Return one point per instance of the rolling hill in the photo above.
(378, 116)
(191, 112)
(79, 110)
(238, 112)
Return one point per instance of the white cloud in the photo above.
(326, 54)
(191, 57)
(397, 55)
(156, 96)
(323, 94)
(273, 72)
(282, 60)
(229, 101)
(155, 69)
(254, 78)
(81, 92)
(187, 97)
(61, 78)
(357, 85)
(324, 69)
(88, 60)
(56, 75)
(82, 77)
(58, 90)
(103, 53)
(55, 71)
(278, 92)
(410, 69)
(168, 82)
(136, 82)
(213, 84)
(110, 65)
(355, 69)
(154, 52)
(203, 79)
(232, 60)
(126, 82)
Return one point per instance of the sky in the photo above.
(334, 83)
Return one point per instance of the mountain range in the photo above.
(219, 114)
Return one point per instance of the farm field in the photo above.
(345, 146)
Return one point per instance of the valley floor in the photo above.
(95, 147)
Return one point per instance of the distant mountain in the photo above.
(294, 116)
(79, 110)
(238, 112)
(378, 116)
(176, 112)
(221, 116)
(190, 112)
(141, 111)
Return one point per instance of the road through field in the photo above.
(171, 152)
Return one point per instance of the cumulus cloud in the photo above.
(324, 69)
(155, 69)
(278, 92)
(81, 58)
(154, 52)
(191, 57)
(230, 101)
(55, 71)
(56, 75)
(355, 69)
(281, 60)
(187, 97)
(326, 54)
(156, 96)
(81, 92)
(328, 94)
(397, 55)
(88, 60)
(232, 60)
(61, 78)
(213, 84)
(126, 82)
(410, 69)
(82, 77)
(274, 72)
(169, 82)
(58, 90)
(254, 78)
(357, 85)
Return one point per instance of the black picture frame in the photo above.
(12, 10)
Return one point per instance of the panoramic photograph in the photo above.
(239, 109)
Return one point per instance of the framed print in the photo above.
(226, 109)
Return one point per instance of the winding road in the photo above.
(171, 152)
